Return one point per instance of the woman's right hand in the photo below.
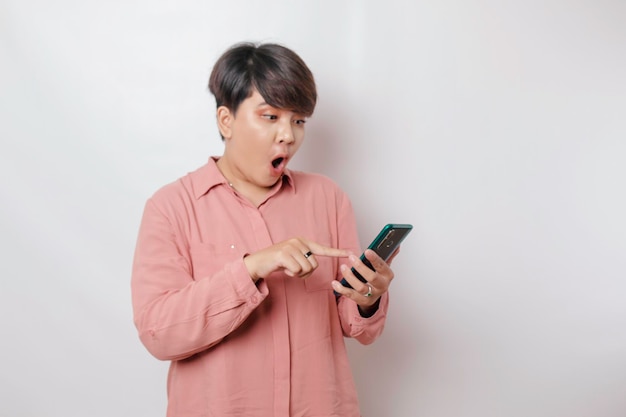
(295, 257)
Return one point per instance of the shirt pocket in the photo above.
(323, 275)
(208, 258)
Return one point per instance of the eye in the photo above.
(269, 116)
(300, 121)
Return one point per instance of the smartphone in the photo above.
(384, 244)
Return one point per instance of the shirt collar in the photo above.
(208, 176)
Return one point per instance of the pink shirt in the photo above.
(239, 349)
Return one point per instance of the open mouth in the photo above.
(276, 162)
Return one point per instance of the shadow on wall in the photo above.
(385, 371)
(325, 149)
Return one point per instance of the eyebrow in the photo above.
(263, 104)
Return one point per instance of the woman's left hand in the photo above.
(366, 294)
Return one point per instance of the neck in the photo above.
(252, 192)
(224, 167)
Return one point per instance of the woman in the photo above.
(236, 262)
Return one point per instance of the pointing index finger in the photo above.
(320, 250)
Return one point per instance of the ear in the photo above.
(224, 121)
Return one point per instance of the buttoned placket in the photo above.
(278, 313)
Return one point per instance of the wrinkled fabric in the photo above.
(239, 349)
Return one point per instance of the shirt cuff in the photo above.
(245, 286)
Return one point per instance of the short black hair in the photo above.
(276, 72)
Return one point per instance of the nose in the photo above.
(285, 133)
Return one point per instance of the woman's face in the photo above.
(259, 140)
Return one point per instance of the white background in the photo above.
(496, 128)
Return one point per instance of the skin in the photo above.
(254, 136)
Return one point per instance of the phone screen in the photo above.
(384, 244)
(391, 238)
